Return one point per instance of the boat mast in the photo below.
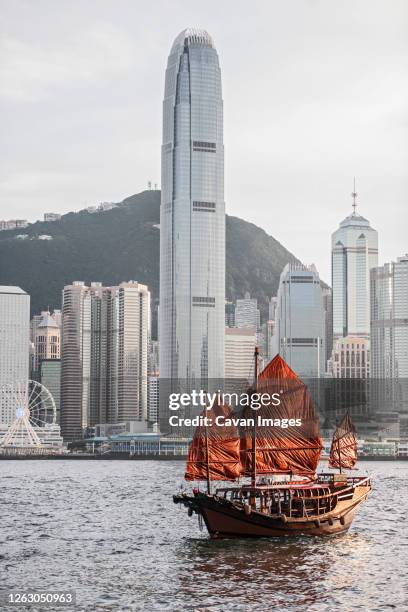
(253, 453)
(207, 459)
(339, 453)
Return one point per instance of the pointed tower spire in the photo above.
(354, 195)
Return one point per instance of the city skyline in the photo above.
(321, 112)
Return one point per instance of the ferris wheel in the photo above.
(32, 408)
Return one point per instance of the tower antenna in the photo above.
(354, 195)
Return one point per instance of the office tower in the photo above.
(14, 347)
(229, 314)
(75, 360)
(50, 377)
(389, 320)
(350, 358)
(354, 253)
(239, 354)
(134, 336)
(328, 318)
(46, 337)
(247, 312)
(192, 214)
(300, 320)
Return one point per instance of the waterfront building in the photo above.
(14, 347)
(300, 321)
(134, 337)
(75, 360)
(192, 214)
(105, 340)
(354, 254)
(247, 312)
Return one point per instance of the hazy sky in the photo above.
(315, 92)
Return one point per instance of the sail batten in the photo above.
(214, 452)
(296, 449)
(343, 450)
(226, 453)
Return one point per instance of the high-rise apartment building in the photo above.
(389, 320)
(300, 321)
(247, 312)
(14, 347)
(134, 336)
(354, 254)
(75, 360)
(105, 338)
(192, 214)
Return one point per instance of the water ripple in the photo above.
(110, 531)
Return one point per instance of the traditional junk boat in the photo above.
(285, 495)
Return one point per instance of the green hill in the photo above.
(123, 244)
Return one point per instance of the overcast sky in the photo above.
(315, 92)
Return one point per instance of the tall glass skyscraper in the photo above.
(354, 253)
(389, 320)
(300, 321)
(192, 214)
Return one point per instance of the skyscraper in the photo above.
(389, 320)
(75, 360)
(134, 336)
(14, 346)
(192, 213)
(354, 253)
(300, 321)
(105, 339)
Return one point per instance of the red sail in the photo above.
(222, 442)
(290, 440)
(343, 451)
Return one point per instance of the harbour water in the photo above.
(109, 531)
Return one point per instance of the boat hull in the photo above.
(224, 519)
